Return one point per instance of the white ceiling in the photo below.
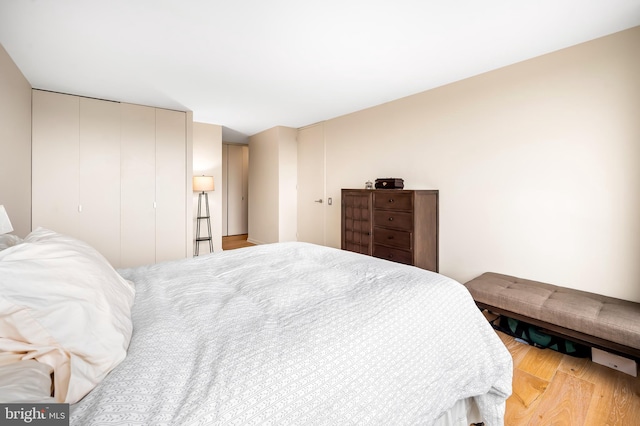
(249, 65)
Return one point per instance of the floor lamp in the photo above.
(203, 184)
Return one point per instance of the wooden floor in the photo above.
(235, 241)
(550, 388)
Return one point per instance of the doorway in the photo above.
(235, 188)
(311, 184)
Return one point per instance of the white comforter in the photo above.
(298, 334)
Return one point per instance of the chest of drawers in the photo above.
(397, 225)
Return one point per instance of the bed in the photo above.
(282, 334)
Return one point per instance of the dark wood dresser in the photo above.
(393, 224)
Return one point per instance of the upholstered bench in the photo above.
(587, 318)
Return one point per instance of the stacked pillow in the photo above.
(64, 306)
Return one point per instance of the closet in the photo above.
(111, 174)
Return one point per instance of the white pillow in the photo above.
(64, 305)
(8, 240)
(27, 381)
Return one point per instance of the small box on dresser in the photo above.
(397, 225)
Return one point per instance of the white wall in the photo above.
(207, 160)
(538, 166)
(15, 144)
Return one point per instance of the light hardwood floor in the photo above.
(235, 241)
(550, 388)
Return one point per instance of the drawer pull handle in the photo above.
(390, 219)
(391, 200)
(390, 237)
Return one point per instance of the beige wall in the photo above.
(538, 166)
(263, 190)
(272, 178)
(287, 184)
(207, 160)
(15, 145)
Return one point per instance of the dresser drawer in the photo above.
(393, 219)
(395, 255)
(392, 237)
(389, 199)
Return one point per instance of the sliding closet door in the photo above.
(99, 185)
(55, 162)
(138, 185)
(171, 185)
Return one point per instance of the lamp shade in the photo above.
(203, 183)
(5, 223)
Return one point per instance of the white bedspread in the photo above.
(298, 334)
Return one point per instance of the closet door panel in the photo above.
(245, 189)
(99, 186)
(223, 188)
(138, 185)
(236, 218)
(55, 162)
(171, 185)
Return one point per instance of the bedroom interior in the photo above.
(536, 163)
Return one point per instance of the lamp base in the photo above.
(200, 217)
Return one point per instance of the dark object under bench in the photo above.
(591, 319)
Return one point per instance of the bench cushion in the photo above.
(605, 317)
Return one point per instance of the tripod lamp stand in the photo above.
(203, 184)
